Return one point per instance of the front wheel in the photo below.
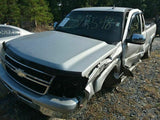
(110, 82)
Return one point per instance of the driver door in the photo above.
(133, 52)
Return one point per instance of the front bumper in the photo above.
(47, 104)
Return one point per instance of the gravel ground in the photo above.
(137, 98)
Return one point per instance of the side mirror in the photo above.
(55, 25)
(137, 39)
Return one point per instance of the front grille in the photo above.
(30, 78)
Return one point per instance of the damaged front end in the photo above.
(63, 94)
(70, 87)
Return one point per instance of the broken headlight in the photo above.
(70, 87)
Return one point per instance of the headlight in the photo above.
(68, 86)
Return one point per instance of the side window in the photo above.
(8, 31)
(135, 26)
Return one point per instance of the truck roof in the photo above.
(114, 9)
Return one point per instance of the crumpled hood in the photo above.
(60, 50)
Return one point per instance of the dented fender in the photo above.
(99, 82)
(102, 70)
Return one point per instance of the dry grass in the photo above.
(42, 28)
(152, 91)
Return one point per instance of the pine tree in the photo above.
(3, 10)
(36, 12)
(9, 12)
(55, 6)
(13, 12)
(41, 12)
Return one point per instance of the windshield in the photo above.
(101, 25)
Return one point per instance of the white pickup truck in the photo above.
(58, 71)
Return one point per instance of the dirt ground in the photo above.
(137, 98)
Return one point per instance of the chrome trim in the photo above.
(35, 79)
(29, 67)
(27, 77)
(7, 86)
(13, 68)
(21, 97)
(28, 87)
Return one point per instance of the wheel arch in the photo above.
(98, 83)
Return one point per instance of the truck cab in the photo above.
(135, 50)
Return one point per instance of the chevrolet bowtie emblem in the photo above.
(20, 73)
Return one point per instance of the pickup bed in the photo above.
(58, 71)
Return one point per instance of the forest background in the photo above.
(40, 13)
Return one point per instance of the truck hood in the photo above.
(60, 50)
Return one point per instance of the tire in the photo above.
(110, 81)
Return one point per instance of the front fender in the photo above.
(100, 80)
